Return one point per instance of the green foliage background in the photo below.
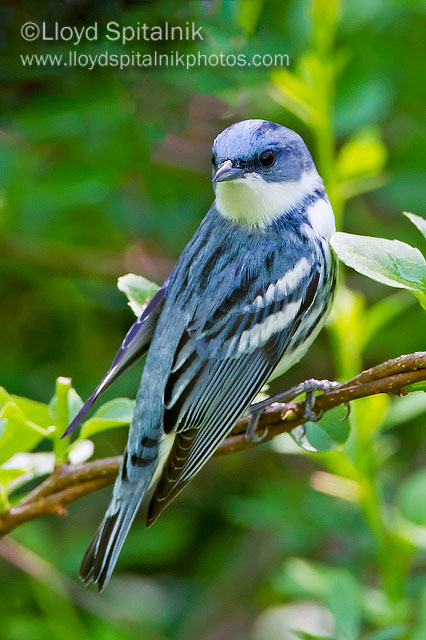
(104, 172)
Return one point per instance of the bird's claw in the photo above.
(251, 431)
(347, 411)
(309, 414)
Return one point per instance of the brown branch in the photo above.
(70, 482)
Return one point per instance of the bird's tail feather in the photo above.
(135, 482)
(102, 554)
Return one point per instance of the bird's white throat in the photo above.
(253, 201)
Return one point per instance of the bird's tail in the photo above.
(102, 554)
(138, 476)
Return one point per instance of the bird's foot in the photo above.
(308, 387)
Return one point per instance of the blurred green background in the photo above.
(105, 172)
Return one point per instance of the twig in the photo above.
(70, 482)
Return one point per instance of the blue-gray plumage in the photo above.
(246, 298)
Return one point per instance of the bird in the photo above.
(244, 302)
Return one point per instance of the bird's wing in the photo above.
(133, 347)
(220, 365)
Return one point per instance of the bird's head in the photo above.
(260, 171)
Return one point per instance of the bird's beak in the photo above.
(227, 171)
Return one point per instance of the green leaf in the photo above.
(116, 413)
(19, 433)
(138, 290)
(416, 386)
(37, 412)
(344, 602)
(418, 221)
(390, 262)
(328, 434)
(6, 477)
(4, 397)
(411, 497)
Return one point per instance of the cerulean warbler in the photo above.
(247, 297)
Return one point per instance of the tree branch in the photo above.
(70, 482)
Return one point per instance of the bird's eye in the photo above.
(213, 159)
(267, 158)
